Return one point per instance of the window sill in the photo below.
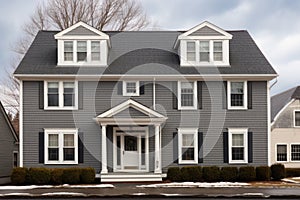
(187, 162)
(61, 163)
(57, 108)
(237, 108)
(82, 64)
(237, 162)
(204, 64)
(131, 95)
(187, 108)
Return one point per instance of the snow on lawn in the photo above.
(30, 187)
(16, 194)
(194, 185)
(64, 194)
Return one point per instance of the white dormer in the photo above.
(204, 45)
(82, 45)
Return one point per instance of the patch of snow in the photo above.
(64, 194)
(27, 187)
(15, 194)
(288, 180)
(170, 195)
(253, 194)
(194, 185)
(30, 187)
(91, 186)
(139, 194)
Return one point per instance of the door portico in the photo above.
(129, 145)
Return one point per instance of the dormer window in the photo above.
(81, 51)
(82, 45)
(203, 46)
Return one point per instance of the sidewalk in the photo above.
(126, 190)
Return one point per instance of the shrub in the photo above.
(263, 173)
(229, 174)
(193, 173)
(292, 172)
(71, 175)
(277, 171)
(211, 174)
(39, 176)
(247, 174)
(87, 175)
(18, 176)
(56, 176)
(174, 174)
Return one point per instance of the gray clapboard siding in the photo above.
(206, 31)
(81, 31)
(212, 120)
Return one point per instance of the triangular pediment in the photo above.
(81, 29)
(131, 109)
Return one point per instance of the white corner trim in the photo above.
(245, 107)
(21, 135)
(127, 104)
(269, 122)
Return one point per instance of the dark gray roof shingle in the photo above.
(145, 52)
(280, 100)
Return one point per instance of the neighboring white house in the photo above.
(285, 134)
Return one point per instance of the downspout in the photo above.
(154, 96)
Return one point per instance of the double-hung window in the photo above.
(61, 146)
(61, 95)
(191, 51)
(188, 145)
(281, 150)
(295, 152)
(218, 51)
(238, 148)
(204, 51)
(187, 95)
(237, 94)
(95, 50)
(131, 88)
(68, 51)
(297, 118)
(81, 51)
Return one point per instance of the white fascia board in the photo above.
(249, 77)
(62, 33)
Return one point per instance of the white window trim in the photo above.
(195, 106)
(294, 118)
(137, 88)
(60, 96)
(61, 133)
(243, 131)
(287, 152)
(198, 63)
(103, 53)
(182, 131)
(293, 161)
(245, 107)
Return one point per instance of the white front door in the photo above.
(131, 150)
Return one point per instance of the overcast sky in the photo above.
(274, 25)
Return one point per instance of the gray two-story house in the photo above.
(131, 104)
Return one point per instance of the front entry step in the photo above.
(130, 177)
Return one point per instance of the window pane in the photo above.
(237, 93)
(188, 153)
(52, 93)
(53, 140)
(204, 51)
(281, 153)
(118, 150)
(68, 50)
(15, 160)
(69, 94)
(238, 140)
(68, 140)
(143, 149)
(95, 50)
(53, 154)
(218, 51)
(81, 51)
(296, 152)
(187, 94)
(191, 51)
(69, 154)
(237, 153)
(297, 118)
(131, 87)
(187, 140)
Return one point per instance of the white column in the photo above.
(104, 151)
(157, 166)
